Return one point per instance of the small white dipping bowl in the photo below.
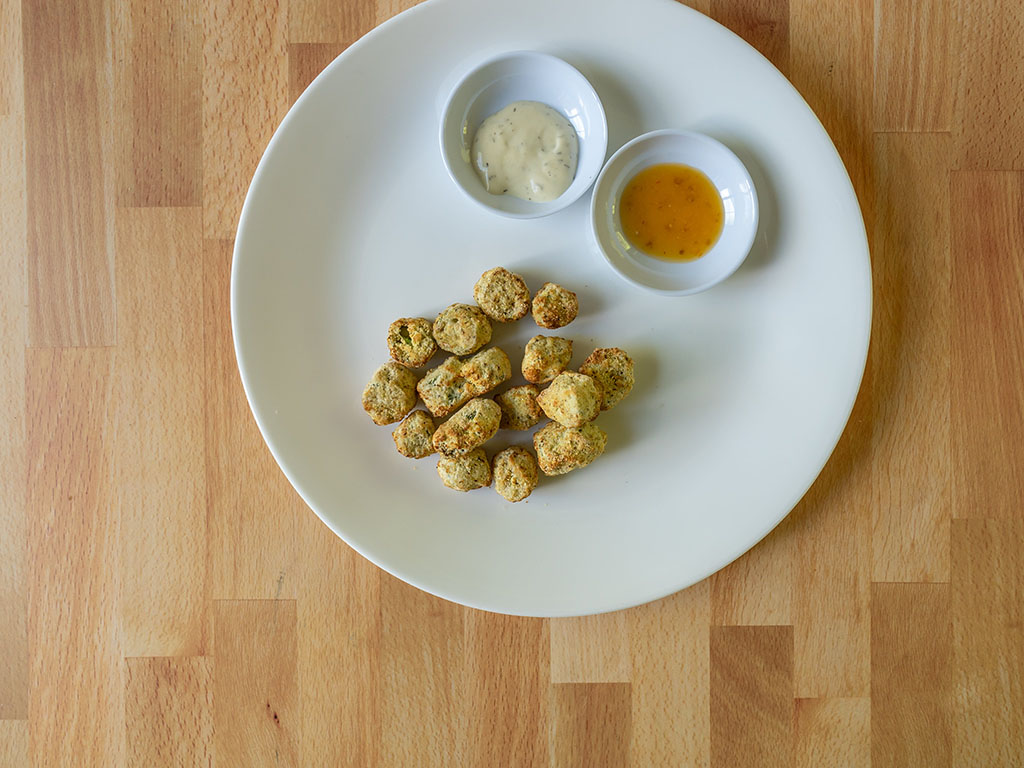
(727, 173)
(522, 76)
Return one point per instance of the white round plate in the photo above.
(742, 391)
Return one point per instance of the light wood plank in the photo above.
(245, 96)
(670, 680)
(913, 65)
(832, 584)
(255, 684)
(910, 362)
(988, 642)
(339, 652)
(325, 21)
(831, 47)
(254, 516)
(590, 725)
(751, 696)
(12, 80)
(13, 576)
(385, 9)
(169, 713)
(762, 23)
(158, 430)
(14, 744)
(757, 589)
(833, 732)
(590, 649)
(704, 6)
(158, 97)
(305, 62)
(421, 676)
(831, 614)
(911, 675)
(988, 345)
(988, 116)
(506, 713)
(67, 149)
(76, 700)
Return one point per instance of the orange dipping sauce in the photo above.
(672, 212)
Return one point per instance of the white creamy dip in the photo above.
(527, 150)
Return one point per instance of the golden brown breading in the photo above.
(444, 389)
(519, 409)
(461, 329)
(554, 306)
(546, 357)
(572, 400)
(465, 473)
(486, 370)
(562, 449)
(470, 427)
(390, 394)
(502, 295)
(612, 368)
(515, 473)
(412, 436)
(410, 341)
(455, 382)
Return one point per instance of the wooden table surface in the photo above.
(167, 599)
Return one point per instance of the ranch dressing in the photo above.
(527, 150)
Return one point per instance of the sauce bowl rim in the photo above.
(598, 209)
(597, 136)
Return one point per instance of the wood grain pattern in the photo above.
(421, 676)
(506, 711)
(988, 642)
(988, 118)
(76, 665)
(158, 431)
(704, 6)
(757, 588)
(913, 65)
(590, 649)
(169, 712)
(832, 732)
(831, 594)
(14, 744)
(158, 96)
(911, 657)
(910, 381)
(385, 9)
(168, 599)
(306, 61)
(12, 79)
(67, 150)
(324, 21)
(988, 344)
(255, 683)
(831, 45)
(671, 679)
(339, 648)
(13, 565)
(751, 696)
(245, 95)
(762, 23)
(591, 725)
